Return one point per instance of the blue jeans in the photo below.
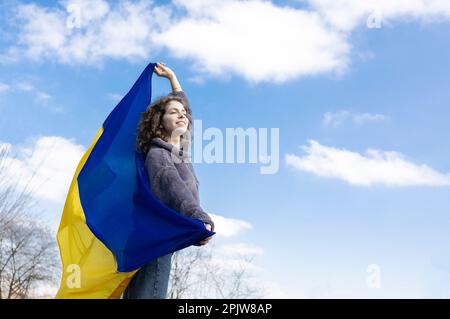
(151, 281)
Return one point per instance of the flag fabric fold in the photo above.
(112, 224)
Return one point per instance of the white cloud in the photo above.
(43, 97)
(197, 79)
(220, 36)
(25, 87)
(254, 39)
(242, 249)
(234, 264)
(87, 32)
(374, 167)
(44, 291)
(42, 30)
(228, 227)
(40, 97)
(346, 15)
(273, 290)
(362, 118)
(337, 118)
(236, 256)
(4, 87)
(83, 12)
(47, 163)
(257, 40)
(115, 97)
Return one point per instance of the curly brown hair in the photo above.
(150, 124)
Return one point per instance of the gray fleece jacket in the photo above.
(174, 182)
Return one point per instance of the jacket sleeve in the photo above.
(170, 188)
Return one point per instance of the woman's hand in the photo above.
(162, 70)
(205, 241)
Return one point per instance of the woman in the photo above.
(172, 179)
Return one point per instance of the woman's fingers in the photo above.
(160, 70)
(205, 241)
(163, 67)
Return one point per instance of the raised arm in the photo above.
(176, 87)
(164, 71)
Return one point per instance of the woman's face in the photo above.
(175, 121)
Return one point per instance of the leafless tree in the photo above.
(233, 283)
(197, 272)
(183, 271)
(28, 251)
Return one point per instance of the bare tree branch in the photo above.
(28, 251)
(195, 274)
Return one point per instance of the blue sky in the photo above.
(317, 227)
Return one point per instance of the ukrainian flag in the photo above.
(112, 224)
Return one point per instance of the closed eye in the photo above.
(174, 112)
